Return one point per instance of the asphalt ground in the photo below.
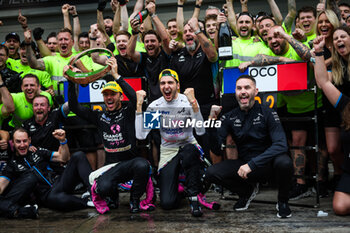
(260, 217)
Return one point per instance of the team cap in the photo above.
(113, 86)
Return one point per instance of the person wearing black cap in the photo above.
(12, 41)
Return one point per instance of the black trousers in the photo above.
(137, 169)
(225, 174)
(188, 158)
(60, 197)
(17, 193)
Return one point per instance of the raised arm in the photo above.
(124, 18)
(137, 8)
(141, 132)
(244, 5)
(93, 35)
(63, 154)
(44, 50)
(32, 61)
(180, 16)
(197, 9)
(117, 17)
(292, 12)
(22, 20)
(130, 49)
(65, 14)
(321, 73)
(6, 98)
(189, 93)
(231, 15)
(275, 12)
(204, 42)
(301, 49)
(151, 7)
(127, 89)
(100, 23)
(73, 103)
(76, 26)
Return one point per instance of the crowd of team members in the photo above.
(179, 58)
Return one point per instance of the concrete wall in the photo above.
(50, 18)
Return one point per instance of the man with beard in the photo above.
(157, 53)
(108, 22)
(179, 148)
(285, 48)
(12, 41)
(197, 66)
(22, 66)
(266, 22)
(243, 48)
(11, 78)
(23, 101)
(44, 122)
(126, 66)
(262, 150)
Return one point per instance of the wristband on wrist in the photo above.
(194, 102)
(134, 32)
(153, 15)
(64, 143)
(73, 16)
(197, 6)
(2, 85)
(119, 76)
(319, 54)
(93, 38)
(180, 5)
(198, 31)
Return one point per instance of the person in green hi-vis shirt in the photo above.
(306, 21)
(52, 64)
(21, 65)
(23, 101)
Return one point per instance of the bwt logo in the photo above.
(151, 120)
